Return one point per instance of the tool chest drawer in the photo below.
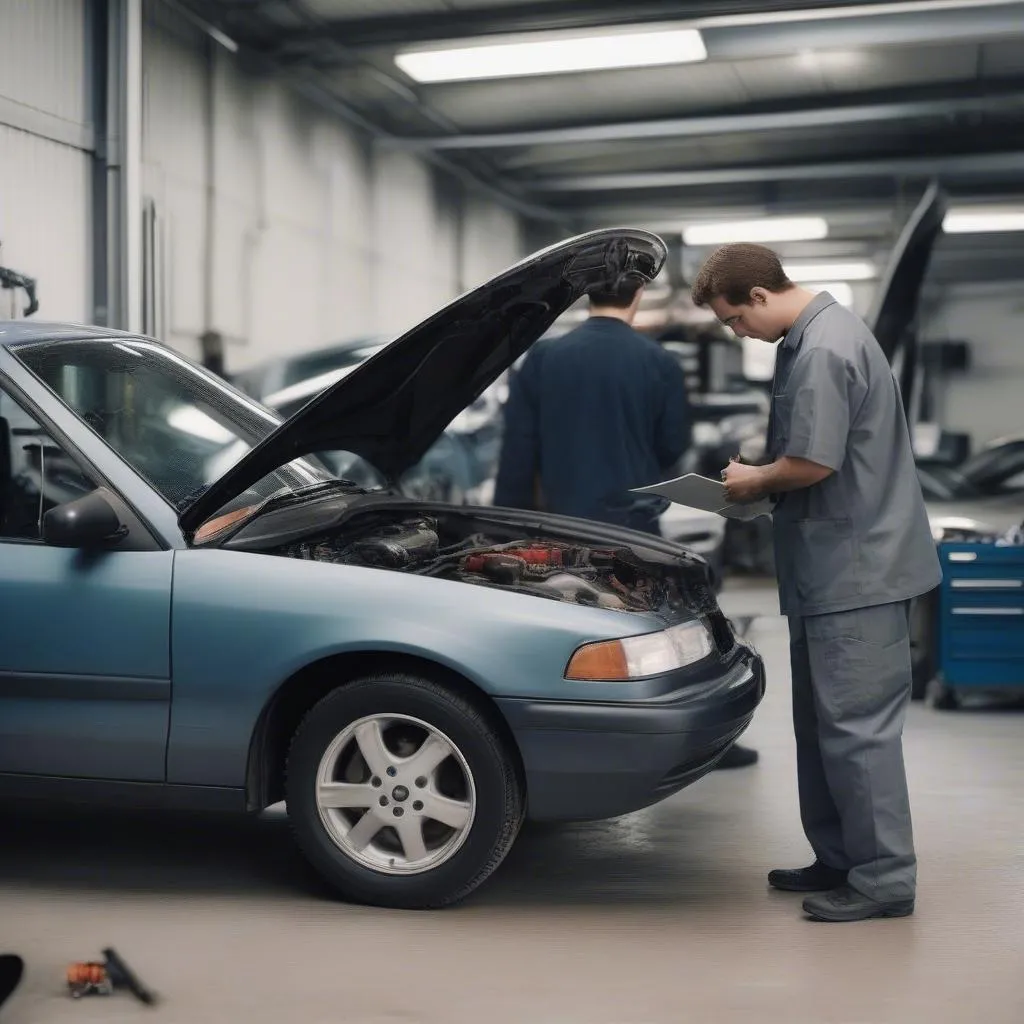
(981, 615)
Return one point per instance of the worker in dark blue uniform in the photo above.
(592, 414)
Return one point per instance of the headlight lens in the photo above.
(634, 657)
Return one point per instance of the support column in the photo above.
(117, 196)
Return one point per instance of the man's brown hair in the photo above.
(731, 271)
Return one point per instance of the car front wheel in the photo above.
(401, 792)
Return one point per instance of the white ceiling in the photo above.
(971, 52)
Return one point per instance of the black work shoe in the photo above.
(816, 878)
(737, 757)
(847, 904)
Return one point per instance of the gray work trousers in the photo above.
(851, 686)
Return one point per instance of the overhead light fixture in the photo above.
(212, 31)
(855, 270)
(554, 56)
(980, 220)
(839, 290)
(225, 40)
(770, 229)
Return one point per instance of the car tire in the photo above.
(365, 744)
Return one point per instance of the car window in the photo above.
(1016, 482)
(992, 466)
(1003, 473)
(302, 367)
(36, 473)
(178, 426)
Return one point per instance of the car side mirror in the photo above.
(89, 522)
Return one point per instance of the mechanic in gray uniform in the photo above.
(853, 545)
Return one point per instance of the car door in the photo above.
(84, 636)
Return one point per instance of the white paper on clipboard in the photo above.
(701, 492)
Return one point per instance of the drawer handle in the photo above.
(988, 611)
(987, 584)
(963, 556)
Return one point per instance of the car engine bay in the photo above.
(485, 552)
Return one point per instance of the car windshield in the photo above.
(177, 425)
(997, 468)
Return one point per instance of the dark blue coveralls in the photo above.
(590, 415)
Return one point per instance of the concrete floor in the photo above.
(663, 916)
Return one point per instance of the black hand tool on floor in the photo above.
(91, 978)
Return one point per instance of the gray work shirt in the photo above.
(861, 536)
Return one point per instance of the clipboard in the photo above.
(701, 492)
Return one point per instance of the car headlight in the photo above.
(634, 657)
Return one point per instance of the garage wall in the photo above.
(984, 402)
(492, 241)
(45, 159)
(317, 235)
(413, 247)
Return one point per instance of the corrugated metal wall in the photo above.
(45, 153)
(985, 402)
(315, 238)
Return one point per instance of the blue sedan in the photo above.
(196, 613)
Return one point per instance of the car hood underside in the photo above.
(393, 407)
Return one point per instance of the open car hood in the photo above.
(393, 407)
(894, 312)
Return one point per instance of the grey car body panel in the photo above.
(318, 610)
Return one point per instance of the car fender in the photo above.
(244, 623)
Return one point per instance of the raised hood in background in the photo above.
(392, 408)
(893, 317)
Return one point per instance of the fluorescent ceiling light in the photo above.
(225, 40)
(855, 270)
(980, 220)
(553, 56)
(839, 290)
(771, 229)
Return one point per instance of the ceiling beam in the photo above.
(385, 30)
(732, 30)
(969, 21)
(982, 164)
(692, 127)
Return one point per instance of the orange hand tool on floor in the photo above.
(89, 978)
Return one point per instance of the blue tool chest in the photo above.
(981, 616)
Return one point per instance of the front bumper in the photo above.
(590, 760)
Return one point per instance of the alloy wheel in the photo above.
(395, 794)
